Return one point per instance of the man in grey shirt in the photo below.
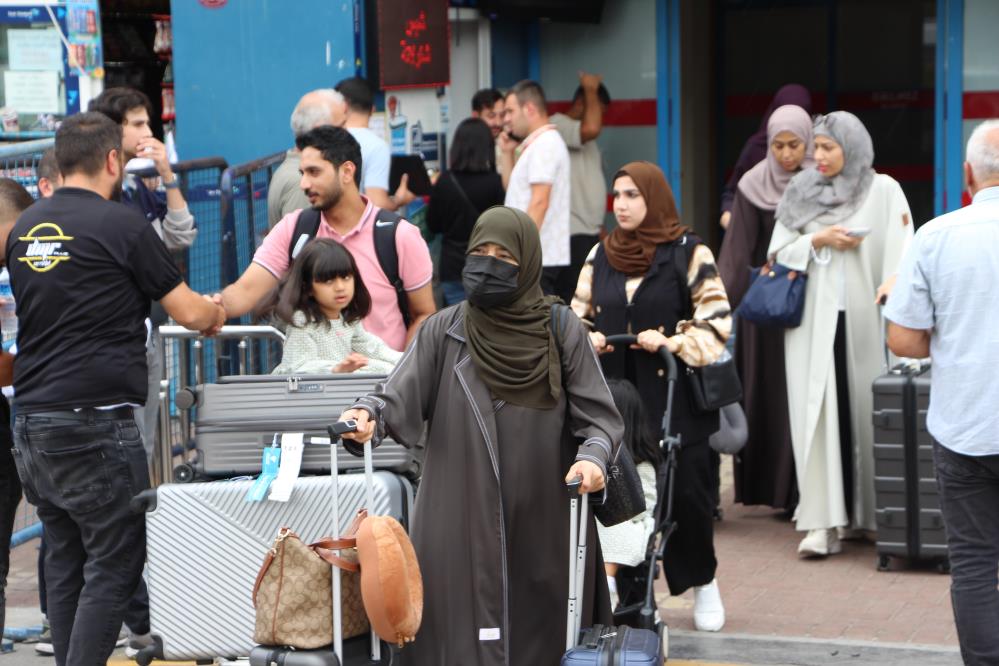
(317, 108)
(580, 126)
(946, 305)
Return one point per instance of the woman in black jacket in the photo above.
(652, 279)
(460, 195)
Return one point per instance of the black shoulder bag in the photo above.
(624, 497)
(715, 385)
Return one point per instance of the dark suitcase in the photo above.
(238, 416)
(600, 645)
(355, 651)
(910, 524)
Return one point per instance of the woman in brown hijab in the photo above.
(653, 279)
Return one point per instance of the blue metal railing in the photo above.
(19, 161)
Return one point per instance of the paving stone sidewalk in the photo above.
(768, 590)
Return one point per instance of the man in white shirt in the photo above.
(945, 304)
(539, 181)
(376, 159)
(579, 127)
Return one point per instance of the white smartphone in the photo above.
(859, 232)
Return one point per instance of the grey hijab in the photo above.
(812, 196)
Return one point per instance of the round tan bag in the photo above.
(391, 584)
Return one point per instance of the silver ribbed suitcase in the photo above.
(238, 416)
(206, 543)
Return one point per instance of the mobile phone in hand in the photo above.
(859, 232)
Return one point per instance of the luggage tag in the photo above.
(292, 445)
(269, 471)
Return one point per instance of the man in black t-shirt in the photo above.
(84, 271)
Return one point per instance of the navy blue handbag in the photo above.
(776, 297)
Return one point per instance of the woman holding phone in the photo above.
(848, 227)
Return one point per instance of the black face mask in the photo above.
(489, 282)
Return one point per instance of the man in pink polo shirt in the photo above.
(331, 167)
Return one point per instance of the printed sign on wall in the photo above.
(413, 47)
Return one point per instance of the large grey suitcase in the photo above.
(910, 524)
(206, 543)
(238, 416)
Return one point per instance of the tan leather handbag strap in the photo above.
(337, 561)
(334, 544)
(260, 575)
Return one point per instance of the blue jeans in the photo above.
(969, 498)
(453, 292)
(82, 469)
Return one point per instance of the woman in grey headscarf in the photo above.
(848, 227)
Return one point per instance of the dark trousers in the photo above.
(690, 554)
(82, 469)
(969, 498)
(561, 280)
(10, 497)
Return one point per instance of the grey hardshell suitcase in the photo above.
(910, 524)
(205, 545)
(238, 416)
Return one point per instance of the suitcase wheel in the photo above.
(943, 566)
(883, 562)
(183, 473)
(146, 655)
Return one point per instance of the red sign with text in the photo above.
(413, 48)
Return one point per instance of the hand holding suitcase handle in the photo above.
(365, 425)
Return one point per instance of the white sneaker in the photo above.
(820, 543)
(709, 613)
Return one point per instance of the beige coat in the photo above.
(853, 275)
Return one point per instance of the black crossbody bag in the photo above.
(715, 385)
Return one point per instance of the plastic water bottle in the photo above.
(8, 316)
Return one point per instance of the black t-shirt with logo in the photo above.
(83, 271)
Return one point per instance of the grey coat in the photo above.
(490, 526)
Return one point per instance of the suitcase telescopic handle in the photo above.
(336, 431)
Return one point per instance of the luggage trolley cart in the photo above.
(251, 349)
(637, 606)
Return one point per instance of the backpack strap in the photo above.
(386, 224)
(306, 228)
(556, 322)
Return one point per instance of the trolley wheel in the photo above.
(943, 566)
(183, 473)
(883, 562)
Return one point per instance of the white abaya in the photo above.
(849, 279)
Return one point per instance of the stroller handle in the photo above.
(665, 354)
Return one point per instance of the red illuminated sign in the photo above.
(413, 49)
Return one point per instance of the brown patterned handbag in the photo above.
(293, 591)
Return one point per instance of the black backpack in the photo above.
(386, 223)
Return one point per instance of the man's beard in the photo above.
(331, 202)
(116, 191)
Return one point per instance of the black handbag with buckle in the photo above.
(624, 497)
